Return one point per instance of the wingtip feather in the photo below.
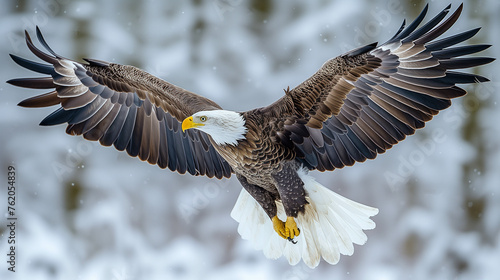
(41, 39)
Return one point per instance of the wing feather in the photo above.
(43, 100)
(99, 131)
(111, 134)
(123, 106)
(369, 99)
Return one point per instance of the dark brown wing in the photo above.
(123, 106)
(362, 103)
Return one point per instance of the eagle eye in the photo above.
(203, 118)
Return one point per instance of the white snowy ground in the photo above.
(89, 212)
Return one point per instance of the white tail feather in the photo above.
(330, 225)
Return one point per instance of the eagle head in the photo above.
(225, 127)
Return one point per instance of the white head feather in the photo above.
(225, 127)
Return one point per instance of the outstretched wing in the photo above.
(362, 103)
(123, 106)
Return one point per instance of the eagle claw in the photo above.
(291, 240)
(288, 230)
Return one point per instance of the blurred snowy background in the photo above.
(89, 212)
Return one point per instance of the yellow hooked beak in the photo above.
(189, 123)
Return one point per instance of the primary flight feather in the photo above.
(354, 107)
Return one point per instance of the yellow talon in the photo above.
(291, 228)
(287, 230)
(279, 226)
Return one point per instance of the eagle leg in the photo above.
(293, 196)
(265, 198)
(291, 189)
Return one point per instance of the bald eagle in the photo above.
(354, 107)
